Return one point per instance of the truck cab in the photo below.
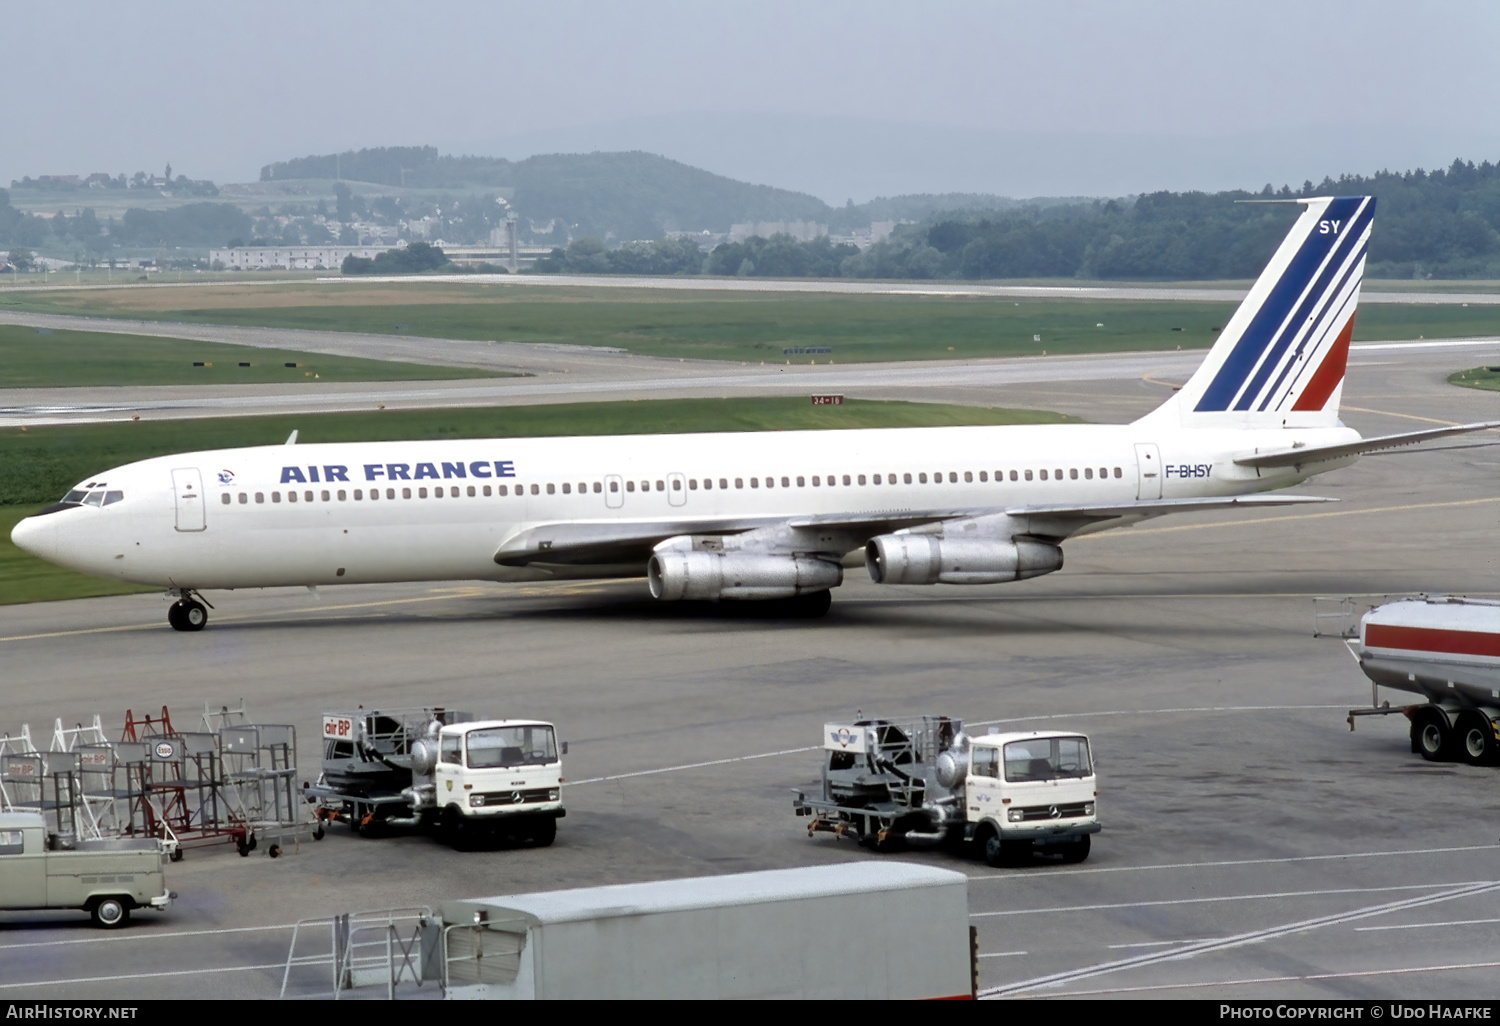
(499, 776)
(1029, 791)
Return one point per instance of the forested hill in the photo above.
(628, 195)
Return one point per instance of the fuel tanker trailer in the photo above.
(1446, 649)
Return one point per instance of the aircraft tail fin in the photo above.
(1279, 361)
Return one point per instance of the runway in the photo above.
(559, 374)
(1253, 847)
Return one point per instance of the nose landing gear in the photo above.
(187, 613)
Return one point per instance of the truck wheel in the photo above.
(110, 913)
(992, 847)
(1476, 739)
(1077, 851)
(452, 831)
(545, 832)
(1429, 728)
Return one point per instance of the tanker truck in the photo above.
(1006, 796)
(1445, 648)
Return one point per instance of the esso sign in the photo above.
(337, 728)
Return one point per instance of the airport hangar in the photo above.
(1253, 847)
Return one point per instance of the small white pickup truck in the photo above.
(105, 878)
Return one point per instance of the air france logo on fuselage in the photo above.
(1188, 470)
(438, 471)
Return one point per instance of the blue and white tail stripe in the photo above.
(1280, 359)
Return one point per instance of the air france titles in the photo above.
(401, 471)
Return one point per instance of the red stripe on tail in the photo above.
(1329, 373)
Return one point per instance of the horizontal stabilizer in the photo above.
(1298, 457)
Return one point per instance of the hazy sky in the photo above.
(839, 99)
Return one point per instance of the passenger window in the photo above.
(1057, 474)
(755, 482)
(291, 496)
(921, 478)
(692, 484)
(1028, 475)
(1043, 473)
(739, 482)
(630, 486)
(724, 482)
(708, 484)
(907, 478)
(583, 487)
(421, 493)
(551, 489)
(471, 490)
(984, 475)
(645, 486)
(785, 483)
(358, 494)
(986, 761)
(968, 477)
(1013, 475)
(1088, 473)
(1117, 472)
(770, 482)
(1072, 473)
(614, 486)
(452, 750)
(487, 491)
(226, 500)
(325, 496)
(535, 490)
(275, 496)
(861, 479)
(1103, 472)
(677, 484)
(261, 496)
(953, 477)
(816, 481)
(567, 489)
(597, 488)
(406, 493)
(801, 482)
(342, 495)
(661, 486)
(846, 480)
(308, 496)
(390, 493)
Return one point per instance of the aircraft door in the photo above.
(677, 489)
(614, 491)
(187, 493)
(1148, 466)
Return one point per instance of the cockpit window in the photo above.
(94, 499)
(76, 495)
(112, 497)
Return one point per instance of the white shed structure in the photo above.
(864, 930)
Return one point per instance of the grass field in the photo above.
(750, 327)
(30, 358)
(38, 465)
(1477, 377)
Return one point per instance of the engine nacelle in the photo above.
(928, 559)
(674, 575)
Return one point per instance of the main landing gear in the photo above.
(188, 613)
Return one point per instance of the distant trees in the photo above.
(414, 259)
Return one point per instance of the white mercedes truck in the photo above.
(435, 768)
(1009, 795)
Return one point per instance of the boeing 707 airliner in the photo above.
(753, 516)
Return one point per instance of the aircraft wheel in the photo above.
(174, 617)
(1476, 739)
(194, 615)
(1429, 729)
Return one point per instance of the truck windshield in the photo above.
(1047, 758)
(497, 747)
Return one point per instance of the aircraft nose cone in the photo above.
(37, 536)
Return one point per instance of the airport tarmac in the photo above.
(1252, 846)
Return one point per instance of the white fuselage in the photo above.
(440, 510)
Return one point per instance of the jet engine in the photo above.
(928, 559)
(675, 574)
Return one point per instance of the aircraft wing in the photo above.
(1297, 457)
(593, 543)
